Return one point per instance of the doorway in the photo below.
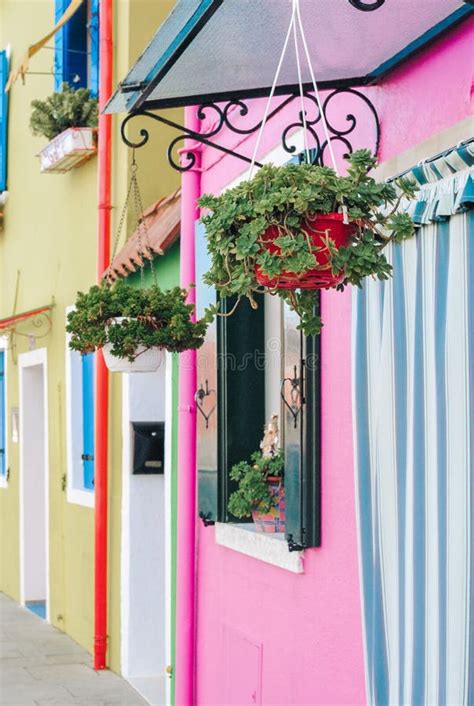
(34, 472)
(145, 536)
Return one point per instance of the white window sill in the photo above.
(3, 482)
(81, 497)
(270, 548)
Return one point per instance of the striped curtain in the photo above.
(413, 382)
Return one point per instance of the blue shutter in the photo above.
(88, 364)
(94, 47)
(3, 441)
(3, 119)
(71, 47)
(60, 6)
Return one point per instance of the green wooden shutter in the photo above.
(241, 391)
(231, 392)
(301, 435)
(207, 390)
(3, 120)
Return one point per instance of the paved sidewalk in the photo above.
(41, 666)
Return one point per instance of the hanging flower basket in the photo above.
(274, 519)
(132, 326)
(319, 229)
(283, 232)
(146, 360)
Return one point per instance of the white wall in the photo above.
(144, 545)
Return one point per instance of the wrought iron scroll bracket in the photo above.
(366, 5)
(234, 117)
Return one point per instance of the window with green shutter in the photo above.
(233, 406)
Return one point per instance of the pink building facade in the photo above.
(265, 634)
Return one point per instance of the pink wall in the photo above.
(309, 626)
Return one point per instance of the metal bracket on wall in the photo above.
(231, 116)
(206, 521)
(367, 5)
(200, 396)
(294, 546)
(294, 405)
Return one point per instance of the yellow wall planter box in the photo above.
(68, 150)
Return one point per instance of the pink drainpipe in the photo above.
(187, 480)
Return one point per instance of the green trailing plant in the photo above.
(253, 488)
(284, 197)
(155, 318)
(62, 110)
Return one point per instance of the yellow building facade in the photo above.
(48, 251)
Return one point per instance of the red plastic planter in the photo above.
(319, 228)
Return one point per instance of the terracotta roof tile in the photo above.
(163, 220)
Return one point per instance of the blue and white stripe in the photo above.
(413, 381)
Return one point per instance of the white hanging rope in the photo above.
(313, 79)
(300, 84)
(295, 15)
(272, 92)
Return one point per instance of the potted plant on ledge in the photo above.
(68, 118)
(133, 326)
(260, 493)
(294, 229)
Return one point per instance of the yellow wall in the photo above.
(50, 238)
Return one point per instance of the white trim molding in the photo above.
(267, 547)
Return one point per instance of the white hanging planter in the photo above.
(147, 360)
(68, 150)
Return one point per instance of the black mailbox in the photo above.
(148, 447)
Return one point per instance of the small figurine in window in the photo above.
(270, 444)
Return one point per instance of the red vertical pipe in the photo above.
(102, 374)
(187, 479)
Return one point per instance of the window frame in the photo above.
(76, 491)
(310, 514)
(68, 34)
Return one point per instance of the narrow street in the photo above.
(40, 665)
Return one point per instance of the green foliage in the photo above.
(64, 109)
(284, 197)
(157, 318)
(254, 490)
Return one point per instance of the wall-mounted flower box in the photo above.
(68, 150)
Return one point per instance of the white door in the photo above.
(33, 478)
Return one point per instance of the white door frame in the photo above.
(29, 360)
(125, 539)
